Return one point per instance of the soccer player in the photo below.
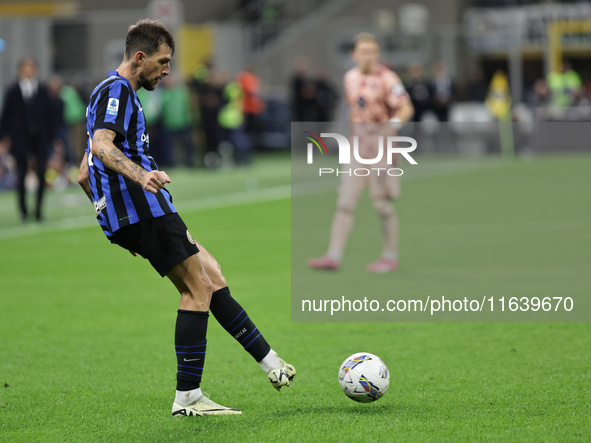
(374, 94)
(135, 211)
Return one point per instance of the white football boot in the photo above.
(202, 406)
(281, 376)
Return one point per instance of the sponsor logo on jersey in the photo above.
(100, 204)
(113, 106)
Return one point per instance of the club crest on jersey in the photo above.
(190, 238)
(113, 106)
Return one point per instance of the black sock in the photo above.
(235, 320)
(189, 343)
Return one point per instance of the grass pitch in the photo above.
(86, 330)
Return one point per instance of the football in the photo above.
(364, 377)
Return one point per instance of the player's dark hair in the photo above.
(147, 36)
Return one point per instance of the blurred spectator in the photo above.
(310, 109)
(419, 90)
(75, 120)
(270, 16)
(152, 105)
(580, 109)
(498, 100)
(580, 98)
(277, 120)
(587, 88)
(176, 118)
(442, 92)
(476, 85)
(253, 106)
(326, 96)
(298, 80)
(251, 10)
(27, 122)
(564, 85)
(7, 177)
(60, 155)
(231, 119)
(539, 95)
(208, 88)
(201, 77)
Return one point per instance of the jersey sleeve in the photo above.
(396, 94)
(112, 109)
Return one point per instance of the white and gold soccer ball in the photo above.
(364, 377)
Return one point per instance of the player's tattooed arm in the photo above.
(103, 147)
(83, 176)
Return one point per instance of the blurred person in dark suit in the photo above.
(443, 96)
(208, 86)
(326, 96)
(419, 90)
(299, 78)
(28, 125)
(443, 92)
(477, 87)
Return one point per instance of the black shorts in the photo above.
(165, 241)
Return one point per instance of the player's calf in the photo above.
(232, 316)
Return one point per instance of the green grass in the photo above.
(495, 229)
(86, 330)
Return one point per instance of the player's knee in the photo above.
(346, 205)
(217, 267)
(207, 286)
(218, 280)
(383, 207)
(222, 281)
(214, 271)
(199, 296)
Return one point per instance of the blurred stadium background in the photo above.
(299, 52)
(72, 329)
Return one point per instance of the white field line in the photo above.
(222, 201)
(200, 204)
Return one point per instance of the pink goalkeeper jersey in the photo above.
(374, 97)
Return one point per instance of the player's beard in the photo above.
(144, 82)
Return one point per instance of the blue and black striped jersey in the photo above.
(118, 201)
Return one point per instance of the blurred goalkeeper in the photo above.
(378, 104)
(135, 211)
